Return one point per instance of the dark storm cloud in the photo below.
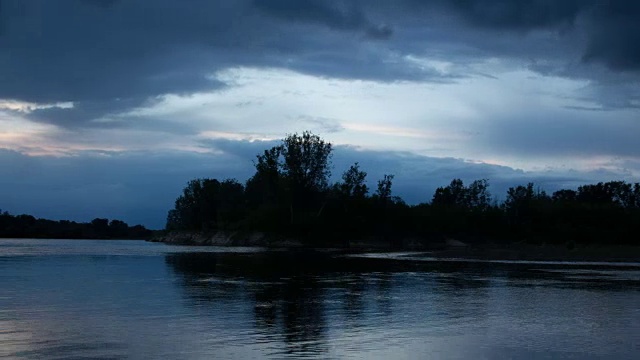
(614, 37)
(124, 52)
(101, 3)
(580, 32)
(87, 110)
(110, 56)
(341, 15)
(521, 14)
(68, 51)
(105, 59)
(611, 28)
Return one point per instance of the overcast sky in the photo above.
(108, 108)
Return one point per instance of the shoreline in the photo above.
(528, 252)
(444, 249)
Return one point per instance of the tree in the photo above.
(384, 188)
(383, 216)
(229, 204)
(118, 229)
(528, 210)
(476, 196)
(613, 193)
(295, 172)
(263, 188)
(353, 183)
(306, 162)
(452, 195)
(100, 226)
(519, 198)
(195, 205)
(564, 196)
(636, 195)
(595, 195)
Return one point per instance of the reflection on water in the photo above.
(318, 304)
(140, 300)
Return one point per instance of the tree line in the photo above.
(27, 226)
(291, 194)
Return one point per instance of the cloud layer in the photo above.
(109, 56)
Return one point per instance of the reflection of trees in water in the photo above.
(301, 308)
(291, 310)
(292, 296)
(463, 290)
(383, 293)
(297, 298)
(288, 301)
(266, 306)
(364, 294)
(199, 279)
(353, 299)
(303, 313)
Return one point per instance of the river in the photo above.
(62, 299)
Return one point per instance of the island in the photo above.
(290, 202)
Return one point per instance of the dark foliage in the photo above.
(290, 195)
(27, 226)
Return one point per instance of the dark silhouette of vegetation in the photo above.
(290, 195)
(27, 226)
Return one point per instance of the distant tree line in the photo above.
(290, 194)
(27, 226)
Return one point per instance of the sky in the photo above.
(109, 107)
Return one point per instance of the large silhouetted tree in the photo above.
(296, 173)
(306, 162)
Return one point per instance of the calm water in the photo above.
(131, 299)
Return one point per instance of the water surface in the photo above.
(64, 299)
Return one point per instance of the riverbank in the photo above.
(437, 248)
(269, 240)
(223, 238)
